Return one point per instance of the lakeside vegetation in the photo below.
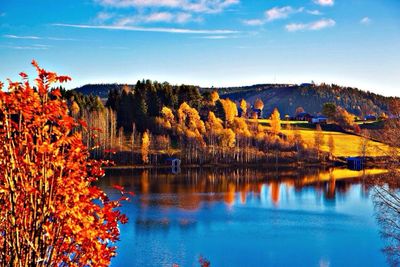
(151, 122)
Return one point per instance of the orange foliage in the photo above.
(258, 104)
(50, 213)
(214, 96)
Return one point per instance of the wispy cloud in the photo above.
(254, 22)
(2, 14)
(28, 47)
(199, 6)
(10, 36)
(146, 29)
(216, 37)
(155, 17)
(366, 21)
(313, 26)
(325, 2)
(272, 14)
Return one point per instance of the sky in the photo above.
(206, 42)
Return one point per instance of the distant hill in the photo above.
(100, 90)
(311, 97)
(285, 97)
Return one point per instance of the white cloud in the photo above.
(314, 12)
(146, 29)
(199, 6)
(313, 26)
(104, 16)
(365, 21)
(272, 14)
(325, 2)
(254, 22)
(155, 17)
(280, 12)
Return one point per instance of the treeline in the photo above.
(150, 122)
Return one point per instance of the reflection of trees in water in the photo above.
(196, 186)
(386, 199)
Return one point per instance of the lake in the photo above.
(247, 217)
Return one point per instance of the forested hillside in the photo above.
(283, 96)
(311, 97)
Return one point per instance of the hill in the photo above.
(100, 90)
(310, 97)
(287, 98)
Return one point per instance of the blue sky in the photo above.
(206, 42)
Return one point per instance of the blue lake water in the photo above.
(247, 218)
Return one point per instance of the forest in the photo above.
(151, 122)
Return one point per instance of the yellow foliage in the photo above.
(275, 121)
(230, 109)
(214, 96)
(228, 138)
(213, 123)
(145, 146)
(241, 128)
(243, 107)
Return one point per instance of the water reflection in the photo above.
(386, 198)
(247, 217)
(190, 188)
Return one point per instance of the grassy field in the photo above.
(346, 145)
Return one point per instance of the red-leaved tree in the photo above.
(51, 214)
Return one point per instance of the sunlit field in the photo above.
(346, 145)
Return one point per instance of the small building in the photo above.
(174, 162)
(319, 119)
(355, 163)
(306, 84)
(303, 116)
(370, 117)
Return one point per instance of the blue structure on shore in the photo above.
(355, 163)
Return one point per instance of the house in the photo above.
(320, 119)
(303, 116)
(306, 84)
(355, 163)
(174, 162)
(370, 117)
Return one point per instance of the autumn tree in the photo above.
(331, 145)
(364, 143)
(329, 110)
(243, 107)
(51, 214)
(318, 140)
(344, 118)
(259, 104)
(214, 97)
(230, 110)
(275, 121)
(299, 110)
(145, 148)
